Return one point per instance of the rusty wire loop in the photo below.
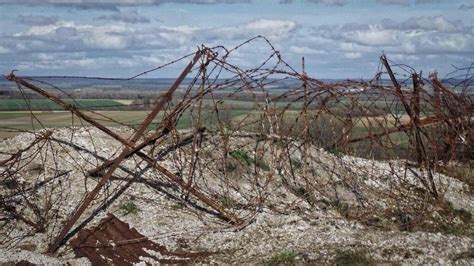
(221, 141)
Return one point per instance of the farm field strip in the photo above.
(56, 119)
(45, 104)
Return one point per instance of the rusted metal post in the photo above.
(66, 106)
(416, 118)
(398, 88)
(420, 149)
(436, 94)
(127, 151)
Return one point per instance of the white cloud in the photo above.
(75, 46)
(353, 47)
(426, 35)
(112, 4)
(45, 29)
(75, 36)
(275, 30)
(404, 57)
(434, 23)
(119, 41)
(304, 50)
(272, 29)
(70, 35)
(374, 36)
(352, 55)
(178, 34)
(454, 42)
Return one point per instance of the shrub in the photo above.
(227, 202)
(129, 207)
(244, 158)
(462, 171)
(350, 257)
(283, 258)
(262, 164)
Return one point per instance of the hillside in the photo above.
(343, 209)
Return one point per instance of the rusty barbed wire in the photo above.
(224, 142)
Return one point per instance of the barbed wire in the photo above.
(310, 138)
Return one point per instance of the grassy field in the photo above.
(45, 104)
(242, 104)
(233, 111)
(22, 120)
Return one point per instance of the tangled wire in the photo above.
(229, 139)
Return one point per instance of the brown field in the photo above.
(23, 120)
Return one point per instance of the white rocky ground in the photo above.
(311, 227)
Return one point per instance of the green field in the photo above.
(22, 120)
(14, 114)
(325, 132)
(241, 104)
(25, 120)
(244, 114)
(46, 104)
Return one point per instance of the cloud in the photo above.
(112, 4)
(394, 2)
(425, 35)
(78, 4)
(70, 36)
(406, 2)
(329, 2)
(32, 20)
(121, 41)
(324, 2)
(116, 4)
(369, 35)
(67, 36)
(466, 6)
(426, 1)
(434, 23)
(350, 47)
(4, 50)
(83, 47)
(404, 57)
(305, 50)
(352, 55)
(127, 17)
(67, 33)
(210, 2)
(375, 35)
(272, 29)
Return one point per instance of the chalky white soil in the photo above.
(284, 222)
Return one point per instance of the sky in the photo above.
(338, 38)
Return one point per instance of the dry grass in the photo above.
(463, 172)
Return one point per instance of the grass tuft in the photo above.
(283, 258)
(129, 207)
(244, 158)
(351, 257)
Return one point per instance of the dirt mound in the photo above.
(344, 207)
